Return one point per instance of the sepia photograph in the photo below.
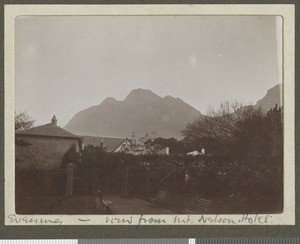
(148, 115)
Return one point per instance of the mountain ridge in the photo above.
(141, 111)
(144, 111)
(272, 97)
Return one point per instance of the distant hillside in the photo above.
(140, 112)
(272, 98)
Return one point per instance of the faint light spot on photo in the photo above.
(193, 61)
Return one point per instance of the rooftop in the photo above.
(51, 130)
(110, 143)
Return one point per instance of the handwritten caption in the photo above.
(248, 219)
(255, 219)
(29, 220)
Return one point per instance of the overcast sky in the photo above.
(66, 64)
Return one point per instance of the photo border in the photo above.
(288, 60)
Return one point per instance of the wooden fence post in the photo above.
(126, 182)
(148, 180)
(70, 179)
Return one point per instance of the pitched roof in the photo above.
(50, 130)
(110, 143)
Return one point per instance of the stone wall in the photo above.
(44, 153)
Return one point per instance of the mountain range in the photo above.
(140, 112)
(143, 111)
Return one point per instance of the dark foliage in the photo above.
(175, 146)
(70, 156)
(248, 165)
(249, 148)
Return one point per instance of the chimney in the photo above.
(133, 140)
(102, 145)
(54, 120)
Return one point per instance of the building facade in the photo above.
(43, 147)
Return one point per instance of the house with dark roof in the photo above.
(115, 145)
(43, 147)
(108, 144)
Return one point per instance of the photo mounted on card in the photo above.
(149, 115)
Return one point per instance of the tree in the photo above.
(250, 146)
(23, 122)
(148, 138)
(70, 156)
(260, 137)
(216, 131)
(259, 144)
(175, 146)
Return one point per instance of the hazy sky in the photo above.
(66, 64)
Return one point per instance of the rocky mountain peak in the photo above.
(109, 100)
(138, 95)
(272, 98)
